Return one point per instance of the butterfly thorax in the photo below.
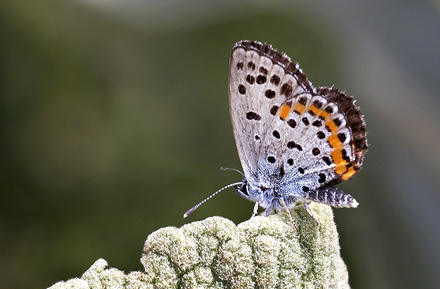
(268, 196)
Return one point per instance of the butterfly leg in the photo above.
(288, 212)
(310, 213)
(255, 212)
(268, 211)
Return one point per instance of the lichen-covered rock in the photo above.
(264, 252)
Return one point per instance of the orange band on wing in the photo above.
(334, 141)
(299, 108)
(315, 110)
(284, 111)
(337, 157)
(331, 126)
(349, 173)
(340, 169)
(318, 112)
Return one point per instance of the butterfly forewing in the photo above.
(257, 88)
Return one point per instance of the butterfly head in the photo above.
(265, 196)
(242, 189)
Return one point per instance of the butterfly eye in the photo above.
(242, 189)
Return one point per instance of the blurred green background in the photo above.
(114, 121)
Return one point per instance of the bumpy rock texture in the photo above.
(264, 252)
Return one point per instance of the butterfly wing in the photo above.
(290, 135)
(255, 91)
(322, 141)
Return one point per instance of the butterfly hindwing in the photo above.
(321, 147)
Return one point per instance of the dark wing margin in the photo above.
(277, 58)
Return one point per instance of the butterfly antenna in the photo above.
(232, 169)
(204, 201)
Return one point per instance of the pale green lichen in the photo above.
(264, 252)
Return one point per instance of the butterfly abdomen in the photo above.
(332, 196)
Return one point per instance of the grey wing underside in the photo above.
(280, 141)
(250, 133)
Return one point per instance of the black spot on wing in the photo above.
(261, 79)
(250, 79)
(263, 70)
(241, 89)
(316, 151)
(269, 93)
(305, 121)
(317, 123)
(291, 123)
(327, 160)
(274, 110)
(275, 79)
(253, 116)
(286, 89)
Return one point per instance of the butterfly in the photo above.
(295, 142)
